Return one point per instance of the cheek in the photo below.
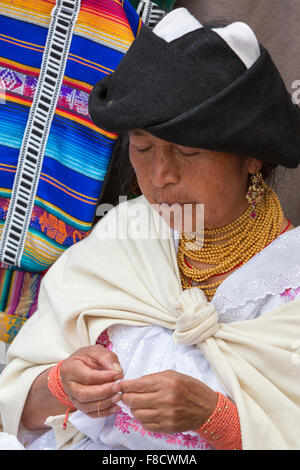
(141, 168)
(215, 183)
(136, 161)
(203, 182)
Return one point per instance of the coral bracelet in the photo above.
(56, 388)
(222, 429)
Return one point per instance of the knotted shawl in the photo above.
(131, 280)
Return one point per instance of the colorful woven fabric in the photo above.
(18, 300)
(76, 153)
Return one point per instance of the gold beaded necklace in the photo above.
(231, 245)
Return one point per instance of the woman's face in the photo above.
(170, 173)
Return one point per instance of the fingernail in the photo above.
(117, 398)
(117, 366)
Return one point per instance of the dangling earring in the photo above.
(255, 192)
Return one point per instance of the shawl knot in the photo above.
(197, 320)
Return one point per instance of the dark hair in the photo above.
(120, 174)
(268, 172)
(125, 169)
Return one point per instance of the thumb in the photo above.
(105, 358)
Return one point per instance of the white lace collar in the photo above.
(271, 271)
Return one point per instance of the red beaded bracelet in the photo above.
(56, 388)
(222, 429)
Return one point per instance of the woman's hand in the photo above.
(88, 376)
(168, 401)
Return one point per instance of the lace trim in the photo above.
(230, 295)
(239, 296)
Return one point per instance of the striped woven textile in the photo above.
(67, 154)
(77, 153)
(18, 300)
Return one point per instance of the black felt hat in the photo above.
(216, 89)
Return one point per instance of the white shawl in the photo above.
(104, 280)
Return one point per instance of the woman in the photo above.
(166, 315)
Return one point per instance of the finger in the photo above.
(90, 393)
(105, 358)
(90, 362)
(140, 400)
(145, 416)
(147, 383)
(98, 405)
(117, 387)
(81, 373)
(104, 413)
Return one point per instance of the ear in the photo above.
(254, 165)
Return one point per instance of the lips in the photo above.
(171, 203)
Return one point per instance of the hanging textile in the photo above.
(53, 160)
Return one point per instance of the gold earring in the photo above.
(255, 192)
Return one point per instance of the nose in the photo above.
(164, 169)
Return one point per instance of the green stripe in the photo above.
(6, 287)
(5, 193)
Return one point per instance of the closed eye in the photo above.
(189, 154)
(143, 149)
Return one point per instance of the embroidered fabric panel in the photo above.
(132, 346)
(25, 85)
(291, 294)
(131, 427)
